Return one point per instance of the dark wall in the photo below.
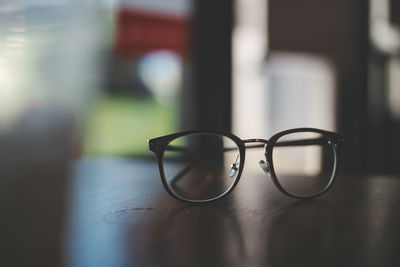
(337, 29)
(206, 97)
(395, 11)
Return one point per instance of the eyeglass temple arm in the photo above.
(183, 171)
(302, 142)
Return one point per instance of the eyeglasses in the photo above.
(203, 166)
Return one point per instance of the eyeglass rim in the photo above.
(336, 141)
(159, 144)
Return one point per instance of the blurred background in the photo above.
(130, 70)
(100, 77)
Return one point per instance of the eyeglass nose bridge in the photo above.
(264, 165)
(256, 140)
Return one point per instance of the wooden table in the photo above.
(120, 215)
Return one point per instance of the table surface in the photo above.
(120, 215)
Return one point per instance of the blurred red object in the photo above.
(139, 32)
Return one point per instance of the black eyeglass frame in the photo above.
(158, 146)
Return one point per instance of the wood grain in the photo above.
(120, 215)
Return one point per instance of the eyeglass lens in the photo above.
(304, 163)
(201, 166)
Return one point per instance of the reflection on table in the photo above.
(120, 215)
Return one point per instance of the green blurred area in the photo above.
(122, 125)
